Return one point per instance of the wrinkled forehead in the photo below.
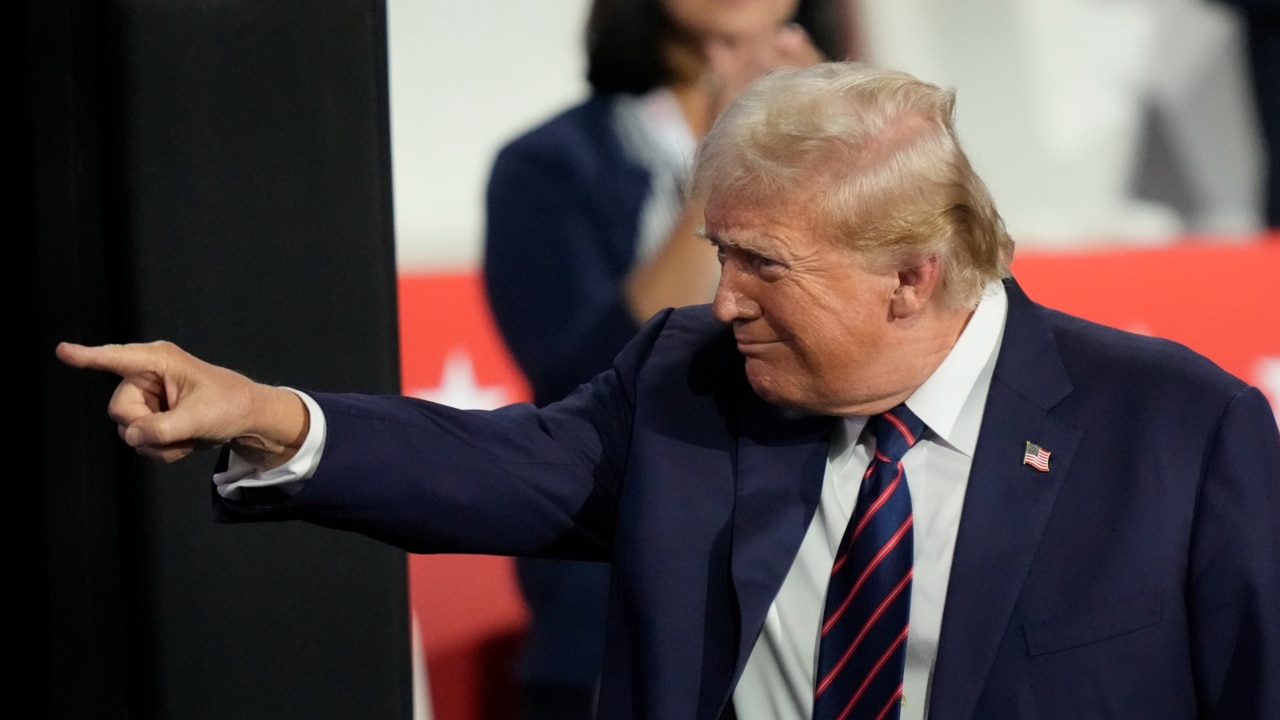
(756, 222)
(790, 190)
(749, 204)
(806, 203)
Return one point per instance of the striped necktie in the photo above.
(864, 629)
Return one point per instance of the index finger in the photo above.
(123, 360)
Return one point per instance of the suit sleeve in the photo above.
(1234, 578)
(519, 480)
(555, 260)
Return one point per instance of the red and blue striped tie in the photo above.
(863, 649)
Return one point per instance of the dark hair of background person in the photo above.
(624, 49)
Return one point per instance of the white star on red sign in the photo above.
(459, 387)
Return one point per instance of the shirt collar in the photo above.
(953, 416)
(950, 402)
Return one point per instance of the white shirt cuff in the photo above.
(290, 477)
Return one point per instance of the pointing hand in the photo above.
(170, 403)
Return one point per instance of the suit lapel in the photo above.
(780, 465)
(1006, 506)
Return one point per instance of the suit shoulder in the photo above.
(685, 345)
(686, 332)
(694, 324)
(1136, 363)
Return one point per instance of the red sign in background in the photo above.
(468, 607)
(1221, 299)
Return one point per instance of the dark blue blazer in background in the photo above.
(562, 223)
(1138, 578)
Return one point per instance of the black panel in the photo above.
(67, 550)
(217, 174)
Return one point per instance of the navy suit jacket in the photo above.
(1138, 578)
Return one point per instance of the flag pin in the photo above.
(1036, 456)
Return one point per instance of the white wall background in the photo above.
(1052, 98)
(465, 76)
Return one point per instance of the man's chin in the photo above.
(808, 401)
(768, 387)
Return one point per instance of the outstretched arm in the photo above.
(170, 403)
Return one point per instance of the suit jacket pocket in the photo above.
(1093, 624)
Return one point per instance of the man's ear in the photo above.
(918, 285)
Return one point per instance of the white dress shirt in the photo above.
(778, 681)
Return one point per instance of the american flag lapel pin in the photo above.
(1036, 456)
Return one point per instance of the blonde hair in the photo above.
(876, 153)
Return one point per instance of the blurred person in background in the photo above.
(1261, 20)
(588, 234)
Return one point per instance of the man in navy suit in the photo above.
(1064, 520)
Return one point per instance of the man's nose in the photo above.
(731, 302)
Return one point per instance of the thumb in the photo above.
(168, 435)
(157, 430)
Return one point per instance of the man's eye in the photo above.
(767, 268)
